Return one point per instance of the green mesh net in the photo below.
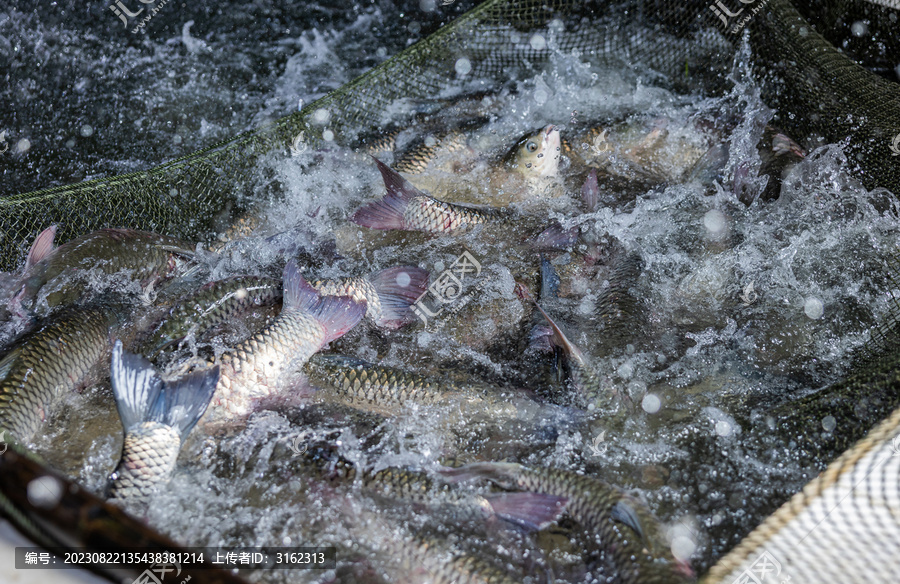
(820, 94)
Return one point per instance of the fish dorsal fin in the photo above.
(299, 295)
(135, 384)
(42, 247)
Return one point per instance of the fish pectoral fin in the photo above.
(533, 511)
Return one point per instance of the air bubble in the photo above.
(814, 308)
(829, 423)
(723, 428)
(859, 28)
(23, 145)
(328, 136)
(463, 66)
(321, 116)
(45, 492)
(403, 279)
(651, 403)
(538, 42)
(714, 221)
(87, 131)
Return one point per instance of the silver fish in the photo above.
(157, 418)
(263, 365)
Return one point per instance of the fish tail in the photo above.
(387, 212)
(556, 237)
(141, 396)
(337, 314)
(533, 511)
(398, 288)
(183, 402)
(136, 386)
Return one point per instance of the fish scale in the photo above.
(377, 388)
(619, 522)
(55, 357)
(359, 289)
(434, 216)
(149, 451)
(264, 364)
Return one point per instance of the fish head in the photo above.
(536, 154)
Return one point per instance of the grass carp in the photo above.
(157, 417)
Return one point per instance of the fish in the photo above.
(263, 365)
(536, 154)
(59, 355)
(388, 294)
(419, 157)
(408, 556)
(619, 522)
(157, 417)
(531, 511)
(149, 257)
(380, 389)
(407, 208)
(585, 379)
(211, 305)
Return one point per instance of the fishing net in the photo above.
(820, 93)
(825, 68)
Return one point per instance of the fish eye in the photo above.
(531, 146)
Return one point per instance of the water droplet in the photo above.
(651, 403)
(321, 116)
(45, 492)
(814, 308)
(403, 279)
(463, 66)
(714, 221)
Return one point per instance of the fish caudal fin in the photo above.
(533, 511)
(41, 248)
(337, 314)
(135, 384)
(387, 212)
(183, 402)
(398, 288)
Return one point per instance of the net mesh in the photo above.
(821, 94)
